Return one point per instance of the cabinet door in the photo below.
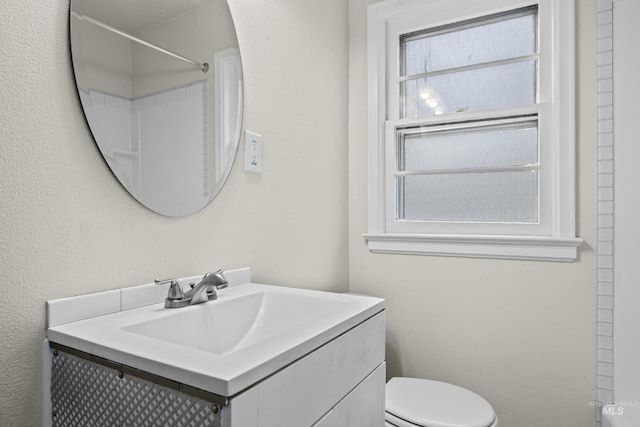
(356, 410)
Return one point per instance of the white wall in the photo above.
(522, 334)
(67, 227)
(626, 239)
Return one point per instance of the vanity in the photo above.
(257, 356)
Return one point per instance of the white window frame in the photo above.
(553, 238)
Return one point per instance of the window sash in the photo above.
(469, 84)
(394, 129)
(520, 170)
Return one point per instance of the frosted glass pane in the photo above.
(509, 38)
(512, 145)
(500, 86)
(488, 197)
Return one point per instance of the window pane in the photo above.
(485, 42)
(500, 86)
(488, 197)
(507, 145)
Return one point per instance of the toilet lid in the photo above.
(429, 403)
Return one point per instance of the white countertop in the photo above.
(226, 372)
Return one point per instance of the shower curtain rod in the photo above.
(203, 67)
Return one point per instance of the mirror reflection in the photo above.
(160, 82)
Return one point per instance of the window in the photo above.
(471, 135)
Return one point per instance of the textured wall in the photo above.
(522, 334)
(68, 228)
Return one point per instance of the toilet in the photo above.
(415, 402)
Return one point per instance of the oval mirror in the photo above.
(160, 82)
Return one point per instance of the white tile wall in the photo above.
(604, 381)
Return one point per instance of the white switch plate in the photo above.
(252, 152)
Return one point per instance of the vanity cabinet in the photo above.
(340, 384)
(257, 356)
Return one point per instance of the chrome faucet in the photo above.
(205, 290)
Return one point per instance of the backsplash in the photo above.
(72, 309)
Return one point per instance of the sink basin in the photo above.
(231, 324)
(223, 346)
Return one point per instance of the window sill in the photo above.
(564, 249)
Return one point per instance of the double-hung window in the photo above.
(471, 128)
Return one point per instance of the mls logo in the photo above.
(612, 410)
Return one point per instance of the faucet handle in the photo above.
(220, 282)
(175, 290)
